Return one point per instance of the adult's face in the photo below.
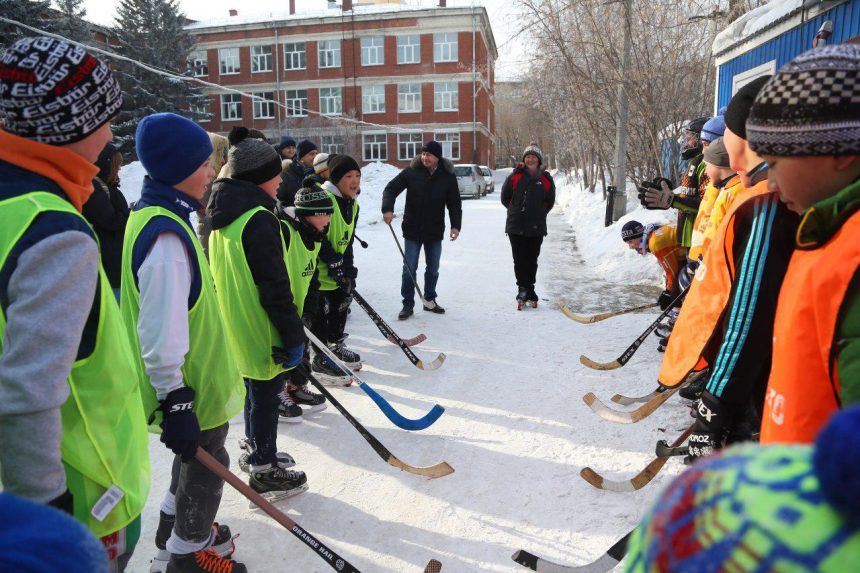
(429, 160)
(288, 152)
(308, 159)
(531, 161)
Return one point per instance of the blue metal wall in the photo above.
(846, 25)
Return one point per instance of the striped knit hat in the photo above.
(811, 106)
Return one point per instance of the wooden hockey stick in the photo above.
(603, 316)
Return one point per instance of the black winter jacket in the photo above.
(107, 211)
(529, 200)
(261, 241)
(426, 198)
(291, 181)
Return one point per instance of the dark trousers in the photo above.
(261, 418)
(432, 254)
(526, 251)
(329, 320)
(197, 489)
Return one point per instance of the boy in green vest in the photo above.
(262, 269)
(72, 426)
(193, 386)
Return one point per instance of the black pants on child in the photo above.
(526, 251)
(261, 418)
(329, 320)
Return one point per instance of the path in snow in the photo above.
(515, 429)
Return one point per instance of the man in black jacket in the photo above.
(295, 170)
(430, 186)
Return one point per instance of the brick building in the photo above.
(411, 71)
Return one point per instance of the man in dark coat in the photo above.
(430, 186)
(295, 170)
(529, 194)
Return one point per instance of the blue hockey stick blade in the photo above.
(398, 419)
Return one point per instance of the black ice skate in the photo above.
(347, 356)
(308, 401)
(532, 298)
(285, 460)
(327, 372)
(522, 297)
(288, 410)
(222, 543)
(275, 483)
(205, 561)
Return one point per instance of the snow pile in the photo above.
(131, 180)
(374, 178)
(601, 247)
(753, 22)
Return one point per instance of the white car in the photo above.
(470, 181)
(488, 176)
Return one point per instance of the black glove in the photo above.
(345, 284)
(665, 299)
(289, 358)
(64, 502)
(708, 430)
(180, 430)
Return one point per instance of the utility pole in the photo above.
(620, 176)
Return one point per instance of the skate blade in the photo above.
(328, 380)
(276, 496)
(314, 409)
(286, 420)
(159, 562)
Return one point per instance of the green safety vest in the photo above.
(249, 331)
(339, 234)
(209, 366)
(104, 439)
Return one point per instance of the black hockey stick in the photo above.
(631, 350)
(424, 301)
(438, 470)
(389, 333)
(607, 562)
(383, 327)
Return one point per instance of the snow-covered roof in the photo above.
(754, 22)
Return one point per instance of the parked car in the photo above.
(470, 181)
(488, 176)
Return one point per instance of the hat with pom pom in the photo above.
(251, 159)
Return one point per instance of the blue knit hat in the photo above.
(713, 128)
(171, 147)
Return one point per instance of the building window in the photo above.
(445, 96)
(373, 99)
(409, 49)
(332, 144)
(329, 53)
(408, 145)
(295, 57)
(450, 142)
(445, 47)
(200, 108)
(297, 102)
(231, 107)
(373, 51)
(261, 59)
(228, 61)
(375, 147)
(330, 101)
(264, 105)
(409, 98)
(198, 62)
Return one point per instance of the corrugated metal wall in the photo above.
(846, 25)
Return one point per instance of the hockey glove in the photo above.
(659, 197)
(289, 358)
(708, 430)
(180, 430)
(665, 299)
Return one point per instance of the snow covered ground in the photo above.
(515, 427)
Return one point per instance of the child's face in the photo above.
(196, 183)
(349, 183)
(633, 244)
(804, 181)
(713, 173)
(271, 186)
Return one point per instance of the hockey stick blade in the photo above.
(408, 341)
(436, 363)
(603, 316)
(393, 415)
(627, 401)
(586, 361)
(435, 471)
(633, 416)
(433, 566)
(607, 562)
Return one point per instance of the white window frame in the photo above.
(743, 78)
(378, 147)
(406, 94)
(445, 47)
(328, 53)
(444, 98)
(260, 60)
(332, 144)
(295, 56)
(296, 100)
(373, 51)
(409, 53)
(231, 107)
(409, 145)
(199, 62)
(372, 96)
(228, 61)
(447, 140)
(331, 102)
(264, 105)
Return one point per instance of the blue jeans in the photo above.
(432, 253)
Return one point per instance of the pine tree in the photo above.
(33, 13)
(151, 31)
(70, 20)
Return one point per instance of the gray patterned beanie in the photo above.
(811, 106)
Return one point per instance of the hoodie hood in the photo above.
(231, 198)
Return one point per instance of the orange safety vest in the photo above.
(706, 300)
(803, 390)
(663, 244)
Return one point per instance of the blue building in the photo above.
(763, 40)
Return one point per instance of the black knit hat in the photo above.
(433, 147)
(740, 104)
(340, 166)
(251, 159)
(313, 201)
(632, 230)
(305, 146)
(811, 106)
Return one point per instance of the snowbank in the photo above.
(601, 247)
(753, 22)
(131, 180)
